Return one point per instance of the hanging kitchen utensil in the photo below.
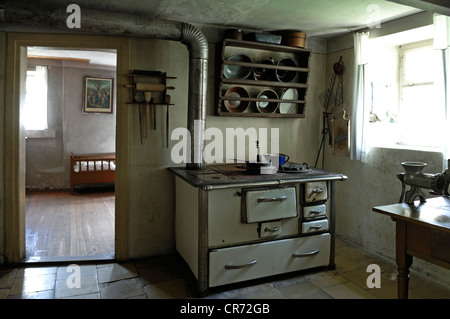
(340, 135)
(335, 122)
(148, 98)
(167, 101)
(154, 116)
(140, 122)
(144, 97)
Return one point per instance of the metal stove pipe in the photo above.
(198, 72)
(140, 25)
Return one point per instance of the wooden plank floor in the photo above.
(62, 226)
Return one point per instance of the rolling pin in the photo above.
(151, 87)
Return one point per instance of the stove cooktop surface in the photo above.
(290, 167)
(232, 173)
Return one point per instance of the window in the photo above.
(420, 112)
(404, 83)
(34, 116)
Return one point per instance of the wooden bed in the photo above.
(92, 169)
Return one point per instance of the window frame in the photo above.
(392, 130)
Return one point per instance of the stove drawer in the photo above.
(315, 192)
(235, 264)
(315, 226)
(318, 211)
(269, 229)
(270, 204)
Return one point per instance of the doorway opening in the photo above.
(61, 225)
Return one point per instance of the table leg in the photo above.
(404, 261)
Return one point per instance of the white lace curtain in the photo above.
(441, 42)
(360, 105)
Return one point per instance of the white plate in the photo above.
(288, 107)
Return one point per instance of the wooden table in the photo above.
(422, 231)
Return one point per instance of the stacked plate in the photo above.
(288, 107)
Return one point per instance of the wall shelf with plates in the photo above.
(257, 79)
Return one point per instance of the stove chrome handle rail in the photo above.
(250, 263)
(308, 254)
(271, 199)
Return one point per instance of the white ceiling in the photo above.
(314, 17)
(317, 18)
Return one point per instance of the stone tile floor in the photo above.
(167, 277)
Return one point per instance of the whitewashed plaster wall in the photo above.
(152, 188)
(151, 215)
(373, 182)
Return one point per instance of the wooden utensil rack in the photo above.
(148, 90)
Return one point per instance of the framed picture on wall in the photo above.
(97, 95)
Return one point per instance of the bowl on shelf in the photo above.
(237, 71)
(263, 74)
(267, 106)
(236, 106)
(286, 75)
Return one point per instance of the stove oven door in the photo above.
(269, 204)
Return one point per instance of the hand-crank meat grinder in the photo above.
(417, 180)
